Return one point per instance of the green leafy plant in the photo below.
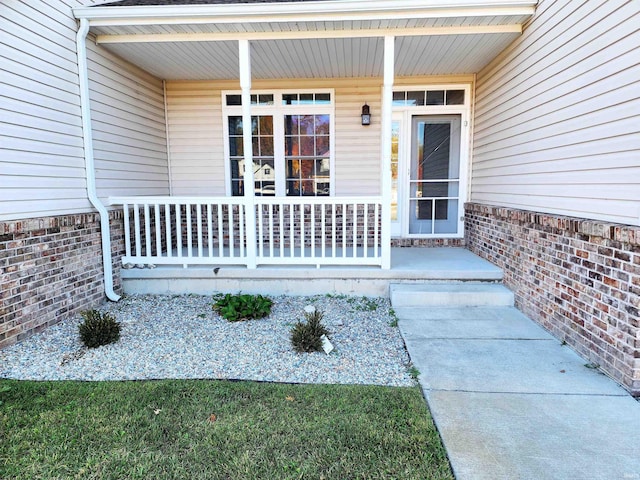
(242, 307)
(307, 336)
(98, 329)
(394, 318)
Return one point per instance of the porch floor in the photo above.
(408, 265)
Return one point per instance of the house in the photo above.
(510, 127)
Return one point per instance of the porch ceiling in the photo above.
(310, 39)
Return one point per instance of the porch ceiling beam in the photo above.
(299, 35)
(283, 12)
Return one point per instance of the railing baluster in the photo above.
(292, 237)
(242, 218)
(209, 230)
(344, 230)
(376, 228)
(167, 226)
(179, 229)
(312, 232)
(365, 231)
(232, 246)
(156, 212)
(189, 228)
(302, 241)
(260, 220)
(199, 220)
(147, 232)
(355, 229)
(136, 219)
(334, 231)
(220, 232)
(271, 230)
(127, 230)
(323, 219)
(281, 215)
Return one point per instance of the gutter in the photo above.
(87, 137)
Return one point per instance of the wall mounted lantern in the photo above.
(366, 115)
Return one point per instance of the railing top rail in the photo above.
(176, 200)
(161, 200)
(315, 200)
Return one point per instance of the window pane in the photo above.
(254, 99)
(306, 98)
(235, 125)
(306, 124)
(322, 167)
(290, 99)
(398, 98)
(323, 98)
(291, 124)
(415, 98)
(265, 99)
(266, 146)
(306, 169)
(455, 97)
(322, 124)
(236, 147)
(435, 97)
(233, 100)
(291, 146)
(307, 146)
(322, 146)
(266, 125)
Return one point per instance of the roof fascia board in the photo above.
(335, 10)
(298, 35)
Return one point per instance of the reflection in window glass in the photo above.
(435, 97)
(307, 155)
(263, 159)
(455, 97)
(415, 99)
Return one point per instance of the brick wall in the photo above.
(580, 279)
(51, 269)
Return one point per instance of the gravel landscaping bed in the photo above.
(181, 337)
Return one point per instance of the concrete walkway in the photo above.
(512, 403)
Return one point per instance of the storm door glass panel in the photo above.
(307, 155)
(434, 185)
(263, 160)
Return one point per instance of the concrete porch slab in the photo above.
(408, 265)
(492, 436)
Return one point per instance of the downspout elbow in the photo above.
(83, 76)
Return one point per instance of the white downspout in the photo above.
(81, 45)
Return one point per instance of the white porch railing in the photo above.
(289, 230)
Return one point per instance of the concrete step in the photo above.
(450, 295)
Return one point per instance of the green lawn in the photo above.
(165, 430)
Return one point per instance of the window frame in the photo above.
(278, 112)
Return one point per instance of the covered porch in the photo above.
(275, 66)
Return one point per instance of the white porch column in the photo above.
(387, 103)
(249, 184)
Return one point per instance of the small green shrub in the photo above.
(307, 337)
(98, 329)
(242, 307)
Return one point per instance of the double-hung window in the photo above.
(292, 137)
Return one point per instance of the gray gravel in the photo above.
(181, 337)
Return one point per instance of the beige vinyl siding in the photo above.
(557, 116)
(196, 139)
(129, 129)
(41, 150)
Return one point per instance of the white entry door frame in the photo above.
(417, 105)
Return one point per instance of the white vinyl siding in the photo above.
(196, 144)
(557, 123)
(41, 151)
